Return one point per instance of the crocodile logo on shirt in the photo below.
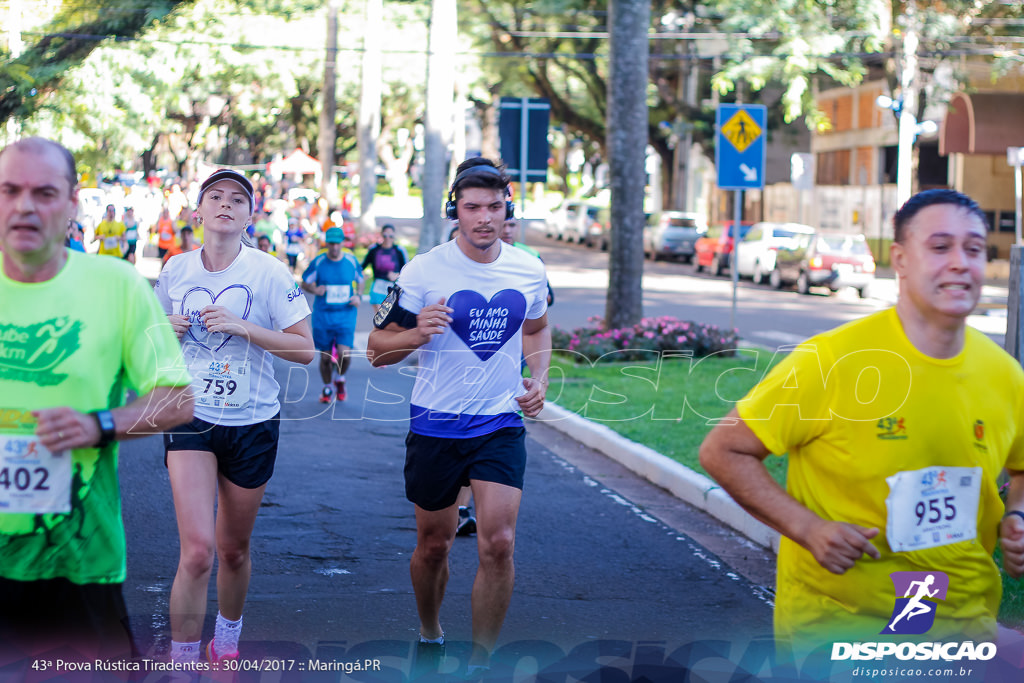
(30, 353)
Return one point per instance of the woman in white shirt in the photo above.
(232, 307)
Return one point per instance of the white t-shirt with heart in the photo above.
(232, 380)
(469, 376)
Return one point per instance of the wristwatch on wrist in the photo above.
(105, 421)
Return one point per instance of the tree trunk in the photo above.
(149, 157)
(369, 116)
(440, 85)
(328, 109)
(626, 143)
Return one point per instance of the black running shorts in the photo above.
(245, 454)
(436, 468)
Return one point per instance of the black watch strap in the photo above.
(105, 421)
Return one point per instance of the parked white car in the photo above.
(755, 257)
(571, 220)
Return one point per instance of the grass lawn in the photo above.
(668, 406)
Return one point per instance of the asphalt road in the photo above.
(612, 573)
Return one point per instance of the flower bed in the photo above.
(642, 341)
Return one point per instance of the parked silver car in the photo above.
(673, 234)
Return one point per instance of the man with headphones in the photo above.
(474, 306)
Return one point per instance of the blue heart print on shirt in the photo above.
(236, 298)
(484, 326)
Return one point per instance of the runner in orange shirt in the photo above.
(165, 232)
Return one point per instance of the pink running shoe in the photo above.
(216, 657)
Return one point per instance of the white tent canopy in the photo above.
(296, 163)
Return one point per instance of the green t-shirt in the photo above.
(527, 248)
(80, 340)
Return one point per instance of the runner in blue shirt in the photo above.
(336, 280)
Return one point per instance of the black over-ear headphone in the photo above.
(450, 211)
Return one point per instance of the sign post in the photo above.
(1015, 157)
(739, 157)
(523, 128)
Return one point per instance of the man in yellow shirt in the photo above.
(110, 234)
(897, 426)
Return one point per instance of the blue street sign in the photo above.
(740, 145)
(523, 128)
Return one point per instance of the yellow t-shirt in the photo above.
(855, 406)
(110, 233)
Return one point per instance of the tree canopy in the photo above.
(227, 77)
(227, 81)
(66, 41)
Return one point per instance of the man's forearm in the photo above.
(1015, 492)
(748, 482)
(390, 346)
(734, 457)
(537, 350)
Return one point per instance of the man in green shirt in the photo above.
(75, 333)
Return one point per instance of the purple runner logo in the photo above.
(916, 593)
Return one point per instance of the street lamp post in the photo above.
(908, 130)
(907, 118)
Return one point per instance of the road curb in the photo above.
(682, 482)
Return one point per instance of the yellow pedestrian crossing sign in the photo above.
(740, 145)
(741, 130)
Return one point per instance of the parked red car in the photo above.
(714, 249)
(825, 259)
